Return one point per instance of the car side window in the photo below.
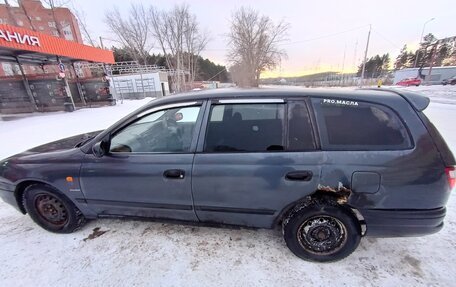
(354, 125)
(245, 128)
(300, 133)
(169, 130)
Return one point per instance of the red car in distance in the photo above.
(409, 82)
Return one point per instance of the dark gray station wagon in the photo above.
(328, 166)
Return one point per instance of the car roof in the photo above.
(373, 95)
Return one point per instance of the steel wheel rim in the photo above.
(322, 235)
(51, 209)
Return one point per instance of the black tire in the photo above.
(322, 231)
(51, 210)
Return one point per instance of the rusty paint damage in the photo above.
(341, 192)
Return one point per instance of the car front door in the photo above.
(148, 170)
(252, 162)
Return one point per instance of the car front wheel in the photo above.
(322, 231)
(51, 210)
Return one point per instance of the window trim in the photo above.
(250, 101)
(325, 146)
(135, 118)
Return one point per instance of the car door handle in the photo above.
(302, 175)
(174, 173)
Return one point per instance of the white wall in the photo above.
(120, 80)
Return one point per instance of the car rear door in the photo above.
(147, 172)
(251, 162)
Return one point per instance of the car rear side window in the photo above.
(354, 125)
(300, 134)
(245, 128)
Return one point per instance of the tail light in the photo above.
(451, 175)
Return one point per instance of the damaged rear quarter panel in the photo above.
(409, 179)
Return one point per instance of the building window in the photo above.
(16, 69)
(8, 69)
(51, 24)
(68, 34)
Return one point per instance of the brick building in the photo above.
(31, 14)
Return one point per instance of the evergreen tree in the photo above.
(403, 59)
(376, 66)
(207, 70)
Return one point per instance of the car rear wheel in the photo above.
(322, 231)
(51, 210)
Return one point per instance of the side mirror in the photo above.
(99, 149)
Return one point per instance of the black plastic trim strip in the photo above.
(140, 204)
(235, 210)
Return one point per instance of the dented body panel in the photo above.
(397, 192)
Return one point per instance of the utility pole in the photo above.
(67, 86)
(343, 66)
(434, 49)
(365, 56)
(431, 64)
(105, 71)
(27, 85)
(421, 40)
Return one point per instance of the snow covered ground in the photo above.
(133, 253)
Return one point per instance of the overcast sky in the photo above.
(320, 31)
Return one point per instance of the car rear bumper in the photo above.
(392, 223)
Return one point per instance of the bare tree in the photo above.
(194, 43)
(181, 40)
(134, 32)
(254, 44)
(81, 17)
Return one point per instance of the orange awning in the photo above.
(20, 39)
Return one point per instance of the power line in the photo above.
(326, 36)
(307, 40)
(224, 69)
(386, 39)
